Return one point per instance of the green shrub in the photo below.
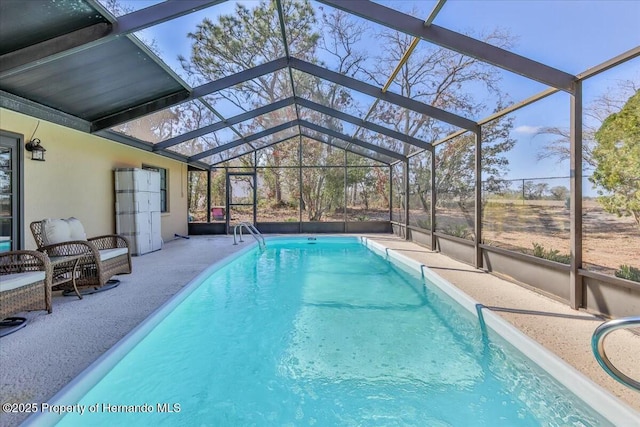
(552, 255)
(461, 231)
(424, 223)
(629, 273)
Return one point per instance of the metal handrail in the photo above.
(597, 345)
(252, 230)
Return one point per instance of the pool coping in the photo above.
(601, 400)
(607, 405)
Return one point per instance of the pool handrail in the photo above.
(252, 230)
(597, 345)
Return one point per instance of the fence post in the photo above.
(208, 194)
(346, 198)
(300, 199)
(575, 240)
(478, 196)
(434, 241)
(391, 194)
(405, 172)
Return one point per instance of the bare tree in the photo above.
(611, 101)
(447, 80)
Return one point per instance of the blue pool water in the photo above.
(324, 333)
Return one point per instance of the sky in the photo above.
(569, 35)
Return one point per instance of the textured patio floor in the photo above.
(37, 361)
(564, 331)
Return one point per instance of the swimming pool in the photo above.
(326, 332)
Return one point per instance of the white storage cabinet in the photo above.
(138, 209)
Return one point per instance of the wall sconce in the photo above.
(37, 150)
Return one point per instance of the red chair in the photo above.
(217, 213)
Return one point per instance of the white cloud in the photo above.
(530, 130)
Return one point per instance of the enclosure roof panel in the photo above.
(248, 115)
(569, 35)
(457, 42)
(172, 75)
(171, 124)
(340, 143)
(288, 129)
(94, 83)
(34, 22)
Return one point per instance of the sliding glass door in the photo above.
(10, 191)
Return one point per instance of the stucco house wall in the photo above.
(77, 178)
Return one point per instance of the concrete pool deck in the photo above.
(39, 360)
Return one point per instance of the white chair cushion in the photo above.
(55, 231)
(17, 280)
(62, 230)
(106, 254)
(76, 230)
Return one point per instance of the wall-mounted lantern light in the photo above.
(37, 150)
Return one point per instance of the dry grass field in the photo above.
(289, 214)
(608, 241)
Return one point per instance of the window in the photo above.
(163, 185)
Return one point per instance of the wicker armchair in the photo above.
(91, 262)
(25, 282)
